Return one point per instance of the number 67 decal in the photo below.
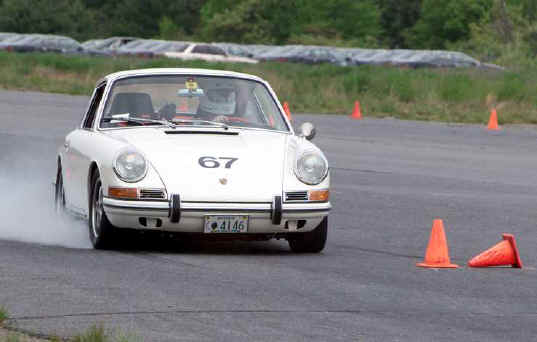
(212, 162)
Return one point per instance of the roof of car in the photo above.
(178, 71)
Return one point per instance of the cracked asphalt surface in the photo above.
(390, 179)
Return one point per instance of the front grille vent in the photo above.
(296, 196)
(152, 194)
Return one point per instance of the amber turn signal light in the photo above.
(130, 193)
(319, 195)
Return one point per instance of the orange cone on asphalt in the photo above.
(502, 254)
(356, 113)
(493, 121)
(287, 111)
(437, 255)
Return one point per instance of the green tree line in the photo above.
(484, 27)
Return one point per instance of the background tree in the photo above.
(446, 21)
(145, 18)
(350, 18)
(212, 7)
(67, 17)
(251, 21)
(337, 22)
(397, 17)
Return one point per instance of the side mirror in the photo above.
(307, 130)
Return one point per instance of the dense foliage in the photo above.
(493, 29)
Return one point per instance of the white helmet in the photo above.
(218, 99)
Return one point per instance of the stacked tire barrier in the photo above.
(307, 54)
(355, 56)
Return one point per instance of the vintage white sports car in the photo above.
(194, 151)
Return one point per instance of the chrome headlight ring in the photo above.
(311, 167)
(130, 165)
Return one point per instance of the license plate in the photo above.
(226, 224)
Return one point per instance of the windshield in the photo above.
(191, 100)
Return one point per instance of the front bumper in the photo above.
(127, 214)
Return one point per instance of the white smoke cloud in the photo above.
(27, 207)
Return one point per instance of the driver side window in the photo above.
(92, 110)
(251, 112)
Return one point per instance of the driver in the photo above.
(218, 102)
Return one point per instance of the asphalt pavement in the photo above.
(390, 179)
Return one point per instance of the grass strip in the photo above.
(95, 333)
(3, 315)
(449, 95)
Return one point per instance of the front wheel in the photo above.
(101, 231)
(310, 242)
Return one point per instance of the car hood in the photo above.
(186, 162)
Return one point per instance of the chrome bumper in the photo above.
(126, 214)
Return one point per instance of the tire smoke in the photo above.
(27, 170)
(29, 216)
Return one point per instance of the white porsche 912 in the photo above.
(194, 151)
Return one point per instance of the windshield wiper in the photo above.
(170, 124)
(126, 118)
(198, 121)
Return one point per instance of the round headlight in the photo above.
(130, 166)
(311, 168)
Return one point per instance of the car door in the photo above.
(77, 160)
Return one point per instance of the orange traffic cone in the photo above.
(287, 111)
(437, 255)
(356, 113)
(493, 121)
(502, 254)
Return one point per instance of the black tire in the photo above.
(59, 194)
(310, 242)
(101, 231)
